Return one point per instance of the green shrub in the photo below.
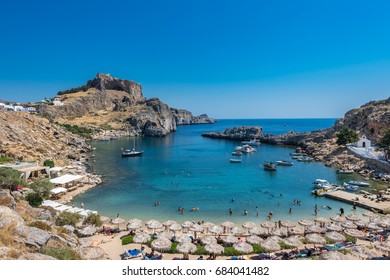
(346, 135)
(67, 218)
(42, 187)
(10, 179)
(285, 246)
(328, 241)
(350, 239)
(40, 225)
(34, 199)
(5, 160)
(49, 163)
(173, 248)
(93, 219)
(258, 249)
(61, 254)
(230, 251)
(127, 240)
(200, 250)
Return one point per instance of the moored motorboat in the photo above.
(344, 171)
(269, 166)
(322, 184)
(235, 160)
(237, 153)
(349, 187)
(284, 163)
(359, 183)
(305, 158)
(253, 142)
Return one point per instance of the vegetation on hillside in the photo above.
(346, 136)
(83, 88)
(10, 179)
(79, 130)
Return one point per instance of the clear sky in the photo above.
(230, 59)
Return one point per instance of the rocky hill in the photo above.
(184, 117)
(116, 104)
(28, 137)
(28, 233)
(237, 133)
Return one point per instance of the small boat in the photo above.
(237, 153)
(351, 188)
(344, 171)
(284, 163)
(131, 153)
(246, 149)
(253, 142)
(269, 166)
(305, 159)
(359, 183)
(321, 184)
(235, 160)
(297, 154)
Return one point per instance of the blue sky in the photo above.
(230, 59)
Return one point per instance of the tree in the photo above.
(34, 199)
(49, 163)
(10, 179)
(67, 218)
(346, 136)
(42, 187)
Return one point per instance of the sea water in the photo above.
(187, 170)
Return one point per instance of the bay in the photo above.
(187, 170)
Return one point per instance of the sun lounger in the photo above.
(130, 254)
(155, 257)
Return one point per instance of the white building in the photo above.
(57, 102)
(363, 142)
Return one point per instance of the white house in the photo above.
(31, 109)
(363, 142)
(57, 102)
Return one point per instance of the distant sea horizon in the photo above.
(187, 170)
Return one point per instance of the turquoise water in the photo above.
(187, 170)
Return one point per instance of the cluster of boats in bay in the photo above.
(322, 186)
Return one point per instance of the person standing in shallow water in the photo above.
(230, 211)
(246, 212)
(257, 211)
(290, 211)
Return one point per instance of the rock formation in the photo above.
(114, 104)
(237, 133)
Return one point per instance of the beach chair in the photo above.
(130, 254)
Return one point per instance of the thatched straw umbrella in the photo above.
(362, 252)
(267, 225)
(243, 247)
(186, 225)
(248, 225)
(333, 255)
(305, 222)
(360, 223)
(117, 221)
(153, 225)
(207, 226)
(205, 240)
(196, 228)
(175, 227)
(315, 229)
(296, 231)
(349, 224)
(168, 223)
(216, 229)
(314, 238)
(321, 220)
(137, 221)
(258, 231)
(254, 239)
(134, 225)
(288, 224)
(227, 225)
(165, 234)
(279, 232)
(383, 246)
(270, 245)
(370, 215)
(186, 248)
(229, 239)
(374, 226)
(354, 233)
(161, 244)
(337, 219)
(276, 239)
(293, 241)
(214, 249)
(335, 236)
(141, 238)
(183, 239)
(237, 231)
(333, 227)
(352, 217)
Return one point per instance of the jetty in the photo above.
(368, 201)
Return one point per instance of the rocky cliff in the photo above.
(28, 137)
(115, 104)
(28, 233)
(184, 117)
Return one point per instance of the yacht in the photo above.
(284, 163)
(253, 142)
(269, 166)
(359, 183)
